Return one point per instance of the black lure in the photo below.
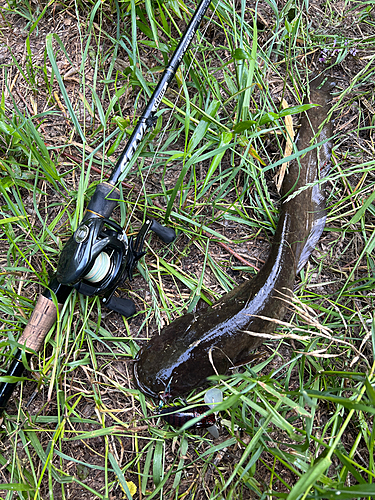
(177, 416)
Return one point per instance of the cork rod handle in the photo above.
(41, 321)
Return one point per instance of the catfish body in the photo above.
(185, 353)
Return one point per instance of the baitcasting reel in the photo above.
(99, 257)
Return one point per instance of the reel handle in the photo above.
(166, 234)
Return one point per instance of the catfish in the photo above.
(198, 345)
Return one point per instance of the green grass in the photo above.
(297, 422)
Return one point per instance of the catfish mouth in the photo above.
(142, 387)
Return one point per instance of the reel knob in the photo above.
(125, 307)
(166, 234)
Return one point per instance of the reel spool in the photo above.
(100, 269)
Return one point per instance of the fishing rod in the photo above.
(99, 256)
